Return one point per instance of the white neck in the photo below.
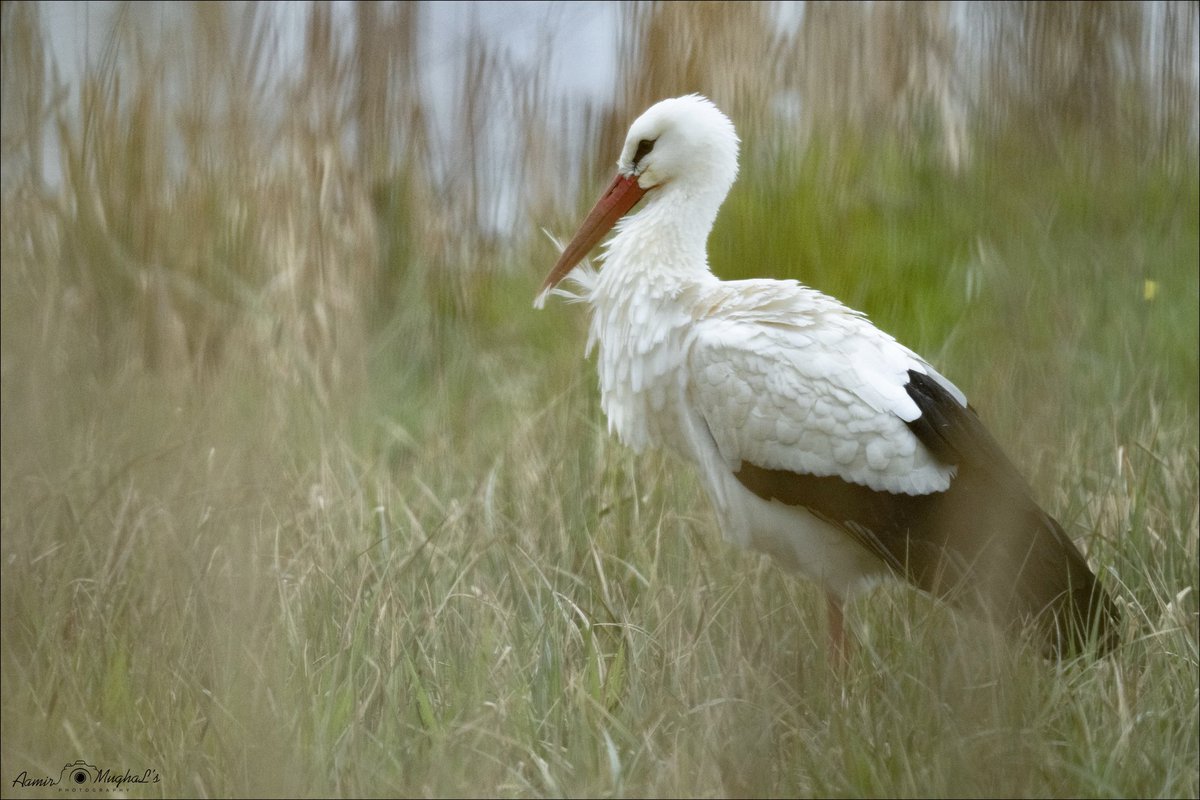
(665, 244)
(641, 313)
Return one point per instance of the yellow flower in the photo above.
(1150, 290)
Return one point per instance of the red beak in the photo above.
(621, 195)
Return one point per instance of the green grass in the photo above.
(456, 582)
(372, 537)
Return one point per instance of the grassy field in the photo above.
(301, 497)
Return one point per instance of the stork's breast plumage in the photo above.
(818, 391)
(641, 364)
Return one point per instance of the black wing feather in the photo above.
(983, 543)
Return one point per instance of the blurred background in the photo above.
(206, 165)
(298, 490)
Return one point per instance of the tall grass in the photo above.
(300, 497)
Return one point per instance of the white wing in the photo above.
(788, 379)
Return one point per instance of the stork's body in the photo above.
(818, 438)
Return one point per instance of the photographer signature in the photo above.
(81, 772)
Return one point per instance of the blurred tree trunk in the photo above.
(726, 51)
(870, 73)
(26, 99)
(1069, 69)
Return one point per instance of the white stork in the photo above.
(818, 438)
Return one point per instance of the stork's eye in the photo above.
(644, 146)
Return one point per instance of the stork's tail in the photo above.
(1007, 553)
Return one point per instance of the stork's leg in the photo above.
(837, 632)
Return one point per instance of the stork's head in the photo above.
(683, 146)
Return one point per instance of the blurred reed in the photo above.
(213, 200)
